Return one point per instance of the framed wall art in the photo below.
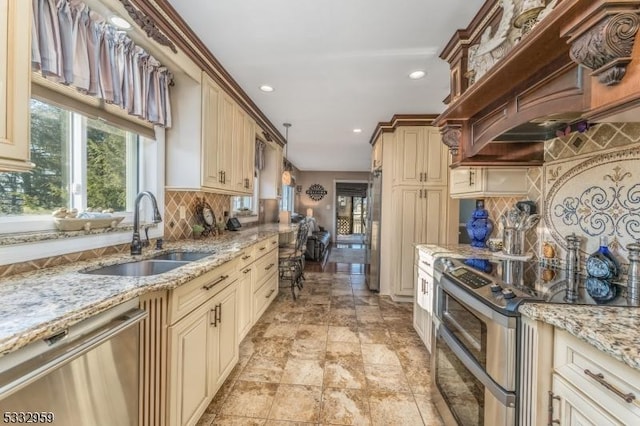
(316, 192)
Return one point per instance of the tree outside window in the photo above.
(80, 163)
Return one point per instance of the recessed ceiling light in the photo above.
(417, 75)
(266, 88)
(357, 130)
(119, 22)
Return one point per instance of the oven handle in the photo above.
(470, 302)
(508, 399)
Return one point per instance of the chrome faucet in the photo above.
(136, 243)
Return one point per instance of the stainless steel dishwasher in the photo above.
(84, 375)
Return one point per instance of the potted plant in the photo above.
(196, 231)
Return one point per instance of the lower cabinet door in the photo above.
(245, 300)
(575, 409)
(190, 355)
(224, 336)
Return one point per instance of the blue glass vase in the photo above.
(479, 227)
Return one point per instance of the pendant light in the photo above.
(286, 174)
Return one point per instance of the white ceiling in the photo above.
(335, 65)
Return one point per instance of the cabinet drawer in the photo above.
(266, 292)
(265, 246)
(267, 264)
(426, 264)
(247, 257)
(189, 296)
(601, 377)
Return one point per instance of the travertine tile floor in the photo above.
(339, 355)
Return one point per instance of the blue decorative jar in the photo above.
(479, 227)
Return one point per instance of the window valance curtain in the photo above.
(73, 45)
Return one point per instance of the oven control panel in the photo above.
(469, 278)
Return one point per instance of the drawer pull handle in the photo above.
(599, 377)
(269, 295)
(215, 317)
(269, 267)
(246, 271)
(426, 263)
(262, 248)
(246, 257)
(216, 282)
(274, 242)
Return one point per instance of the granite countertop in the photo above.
(38, 304)
(613, 330)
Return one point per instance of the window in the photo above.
(80, 163)
(246, 206)
(286, 202)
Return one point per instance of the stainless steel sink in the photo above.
(188, 256)
(141, 268)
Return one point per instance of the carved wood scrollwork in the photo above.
(451, 135)
(606, 48)
(148, 26)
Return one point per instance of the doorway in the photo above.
(351, 212)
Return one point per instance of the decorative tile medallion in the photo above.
(597, 196)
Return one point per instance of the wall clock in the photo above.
(316, 192)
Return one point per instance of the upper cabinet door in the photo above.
(15, 84)
(250, 154)
(408, 167)
(239, 149)
(225, 133)
(211, 100)
(436, 159)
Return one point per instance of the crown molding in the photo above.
(402, 120)
(173, 26)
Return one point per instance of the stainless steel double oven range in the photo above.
(475, 355)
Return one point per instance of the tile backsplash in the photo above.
(179, 229)
(591, 186)
(497, 206)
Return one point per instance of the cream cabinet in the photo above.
(420, 157)
(245, 300)
(227, 142)
(422, 309)
(420, 216)
(590, 387)
(423, 300)
(212, 145)
(243, 151)
(249, 157)
(191, 355)
(257, 267)
(203, 348)
(420, 211)
(15, 85)
(473, 182)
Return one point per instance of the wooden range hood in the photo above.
(578, 62)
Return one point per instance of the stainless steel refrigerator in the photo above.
(374, 204)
